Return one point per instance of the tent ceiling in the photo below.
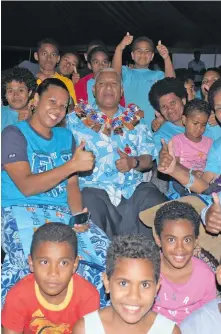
(193, 24)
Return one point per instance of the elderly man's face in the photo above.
(108, 90)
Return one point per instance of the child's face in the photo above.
(99, 61)
(142, 54)
(171, 107)
(217, 105)
(17, 95)
(209, 78)
(132, 288)
(47, 57)
(68, 63)
(177, 241)
(53, 264)
(195, 125)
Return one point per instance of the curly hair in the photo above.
(19, 74)
(134, 246)
(54, 232)
(214, 89)
(197, 105)
(44, 85)
(164, 87)
(176, 210)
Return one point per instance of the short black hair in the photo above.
(19, 74)
(135, 246)
(213, 69)
(97, 42)
(48, 40)
(73, 53)
(95, 50)
(214, 89)
(197, 105)
(43, 87)
(164, 87)
(143, 39)
(54, 232)
(176, 210)
(184, 75)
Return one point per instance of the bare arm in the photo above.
(79, 327)
(176, 330)
(31, 184)
(163, 51)
(117, 59)
(74, 195)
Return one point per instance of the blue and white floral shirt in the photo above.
(105, 175)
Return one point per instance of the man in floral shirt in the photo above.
(114, 191)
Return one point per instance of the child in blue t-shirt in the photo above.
(138, 81)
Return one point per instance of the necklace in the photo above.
(99, 122)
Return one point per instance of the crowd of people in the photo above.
(111, 193)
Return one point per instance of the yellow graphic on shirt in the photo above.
(40, 325)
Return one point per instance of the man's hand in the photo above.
(157, 122)
(127, 40)
(212, 120)
(167, 160)
(125, 163)
(83, 159)
(75, 76)
(163, 51)
(213, 216)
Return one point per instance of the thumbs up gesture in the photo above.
(127, 40)
(83, 159)
(167, 160)
(163, 51)
(125, 163)
(213, 216)
(75, 76)
(157, 122)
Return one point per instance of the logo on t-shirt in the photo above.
(11, 155)
(40, 324)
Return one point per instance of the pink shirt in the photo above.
(192, 155)
(177, 301)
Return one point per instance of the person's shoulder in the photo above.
(202, 267)
(207, 140)
(21, 287)
(217, 144)
(11, 130)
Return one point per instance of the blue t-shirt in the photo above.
(137, 84)
(8, 116)
(91, 98)
(214, 158)
(42, 154)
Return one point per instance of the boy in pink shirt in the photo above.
(187, 283)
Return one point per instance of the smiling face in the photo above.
(171, 108)
(68, 64)
(107, 90)
(99, 60)
(209, 78)
(142, 54)
(132, 288)
(51, 106)
(53, 264)
(195, 124)
(177, 241)
(47, 57)
(17, 95)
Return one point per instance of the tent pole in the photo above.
(29, 55)
(215, 58)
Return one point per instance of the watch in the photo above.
(137, 163)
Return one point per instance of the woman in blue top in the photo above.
(39, 181)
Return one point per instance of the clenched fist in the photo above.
(83, 160)
(163, 51)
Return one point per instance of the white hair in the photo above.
(108, 69)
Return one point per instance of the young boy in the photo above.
(132, 280)
(208, 318)
(17, 87)
(47, 56)
(53, 297)
(137, 82)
